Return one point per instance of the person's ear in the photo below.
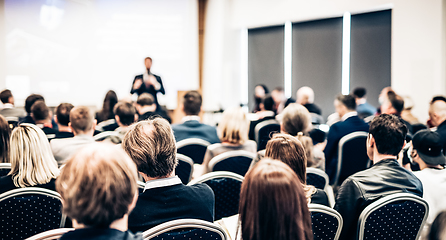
(69, 125)
(136, 117)
(118, 120)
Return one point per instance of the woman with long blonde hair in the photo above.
(32, 162)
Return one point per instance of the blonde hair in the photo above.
(32, 162)
(97, 185)
(295, 119)
(234, 126)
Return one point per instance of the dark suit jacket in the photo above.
(150, 89)
(6, 184)
(163, 204)
(195, 129)
(253, 125)
(337, 131)
(100, 234)
(313, 108)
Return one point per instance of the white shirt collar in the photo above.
(349, 114)
(190, 118)
(8, 105)
(163, 182)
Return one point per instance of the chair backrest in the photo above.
(326, 222)
(105, 125)
(12, 121)
(194, 148)
(226, 187)
(187, 229)
(396, 216)
(316, 119)
(28, 211)
(5, 168)
(232, 161)
(185, 168)
(263, 130)
(51, 234)
(108, 135)
(141, 186)
(352, 156)
(317, 178)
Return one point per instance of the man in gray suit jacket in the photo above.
(8, 105)
(83, 123)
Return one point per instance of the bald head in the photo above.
(437, 112)
(305, 95)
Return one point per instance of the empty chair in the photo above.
(50, 234)
(28, 211)
(194, 148)
(326, 222)
(233, 161)
(5, 168)
(187, 229)
(263, 132)
(352, 156)
(226, 187)
(185, 168)
(396, 216)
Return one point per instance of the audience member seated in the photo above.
(62, 118)
(394, 104)
(345, 106)
(125, 115)
(438, 228)
(280, 101)
(29, 101)
(305, 97)
(363, 108)
(406, 114)
(98, 189)
(383, 97)
(437, 117)
(147, 109)
(82, 124)
(289, 150)
(427, 151)
(106, 112)
(5, 132)
(41, 115)
(259, 93)
(32, 164)
(191, 126)
(8, 105)
(266, 113)
(151, 145)
(386, 139)
(233, 132)
(273, 204)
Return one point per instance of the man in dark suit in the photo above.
(148, 82)
(345, 106)
(437, 116)
(305, 97)
(151, 145)
(191, 126)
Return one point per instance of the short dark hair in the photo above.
(359, 92)
(396, 101)
(81, 118)
(145, 99)
(126, 112)
(148, 58)
(389, 132)
(40, 111)
(347, 100)
(30, 100)
(63, 113)
(280, 89)
(5, 95)
(192, 103)
(438, 98)
(268, 102)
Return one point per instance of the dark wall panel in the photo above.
(371, 52)
(265, 58)
(317, 60)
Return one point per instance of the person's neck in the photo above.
(119, 224)
(423, 165)
(360, 101)
(146, 109)
(147, 178)
(63, 128)
(42, 121)
(378, 157)
(88, 133)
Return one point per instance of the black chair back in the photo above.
(5, 168)
(194, 148)
(317, 178)
(185, 168)
(326, 222)
(186, 229)
(233, 161)
(263, 132)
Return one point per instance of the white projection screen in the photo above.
(76, 50)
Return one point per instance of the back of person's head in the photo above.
(40, 111)
(389, 132)
(359, 92)
(234, 126)
(264, 87)
(63, 113)
(305, 95)
(438, 98)
(81, 119)
(151, 145)
(396, 101)
(32, 161)
(5, 95)
(437, 112)
(268, 103)
(30, 100)
(5, 132)
(192, 103)
(438, 228)
(109, 103)
(98, 185)
(295, 119)
(348, 101)
(145, 99)
(126, 113)
(273, 204)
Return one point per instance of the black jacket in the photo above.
(100, 234)
(359, 190)
(150, 89)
